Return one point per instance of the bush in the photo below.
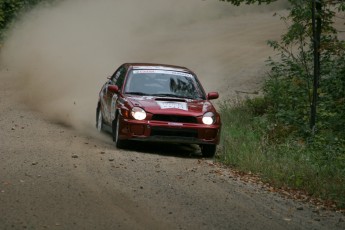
(10, 9)
(252, 142)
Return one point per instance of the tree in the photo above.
(316, 8)
(238, 2)
(289, 88)
(10, 9)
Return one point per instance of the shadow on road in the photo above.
(165, 149)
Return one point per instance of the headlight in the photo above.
(208, 118)
(138, 113)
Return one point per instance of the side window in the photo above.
(119, 77)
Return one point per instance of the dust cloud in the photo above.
(60, 55)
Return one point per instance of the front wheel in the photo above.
(208, 150)
(116, 131)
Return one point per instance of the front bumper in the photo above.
(172, 132)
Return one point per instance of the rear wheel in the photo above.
(99, 121)
(116, 130)
(208, 150)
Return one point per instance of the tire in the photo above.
(116, 129)
(99, 121)
(208, 150)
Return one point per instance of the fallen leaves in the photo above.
(249, 177)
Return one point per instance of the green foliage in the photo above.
(289, 86)
(10, 9)
(287, 154)
(240, 139)
(238, 2)
(251, 142)
(258, 106)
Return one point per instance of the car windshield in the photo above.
(163, 83)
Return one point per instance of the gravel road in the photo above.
(57, 176)
(54, 177)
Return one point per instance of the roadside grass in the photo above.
(290, 162)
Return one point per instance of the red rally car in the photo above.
(158, 103)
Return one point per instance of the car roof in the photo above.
(158, 66)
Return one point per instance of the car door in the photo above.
(110, 97)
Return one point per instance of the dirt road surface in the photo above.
(54, 175)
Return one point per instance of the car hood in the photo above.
(167, 105)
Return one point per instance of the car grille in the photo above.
(157, 131)
(172, 118)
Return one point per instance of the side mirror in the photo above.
(113, 88)
(212, 95)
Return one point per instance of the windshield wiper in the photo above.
(172, 95)
(167, 95)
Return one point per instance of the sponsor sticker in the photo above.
(113, 109)
(156, 67)
(172, 105)
(162, 72)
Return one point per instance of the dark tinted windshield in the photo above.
(165, 83)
